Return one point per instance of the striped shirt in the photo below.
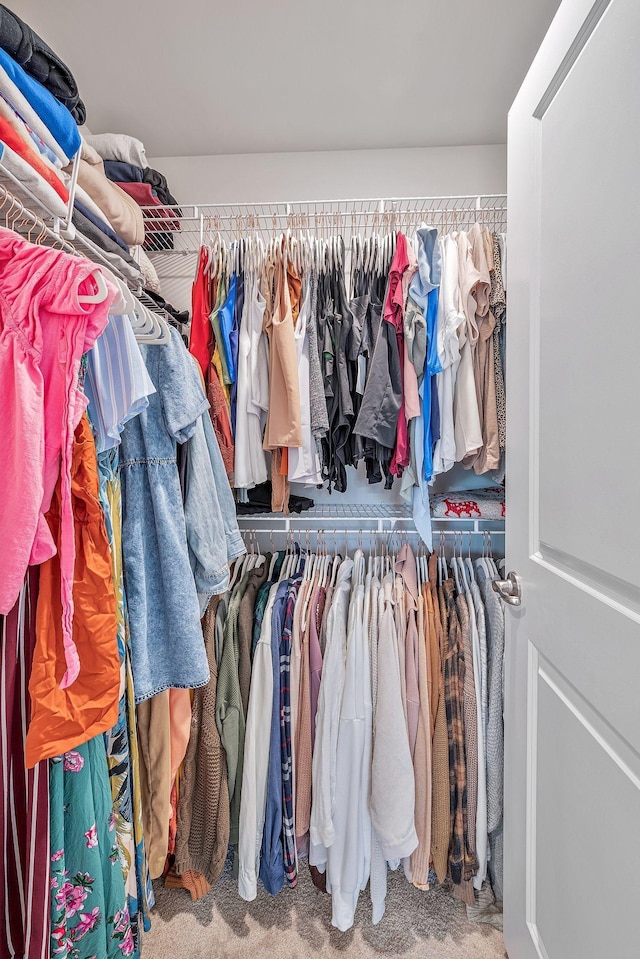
(117, 383)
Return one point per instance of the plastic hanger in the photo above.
(471, 576)
(238, 571)
(312, 584)
(493, 569)
(361, 561)
(454, 565)
(102, 292)
(159, 333)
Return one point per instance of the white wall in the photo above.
(270, 177)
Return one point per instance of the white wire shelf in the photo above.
(24, 209)
(197, 223)
(353, 518)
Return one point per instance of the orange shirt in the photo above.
(62, 719)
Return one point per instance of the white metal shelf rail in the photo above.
(198, 223)
(372, 517)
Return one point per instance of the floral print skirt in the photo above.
(89, 910)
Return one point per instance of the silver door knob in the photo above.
(509, 589)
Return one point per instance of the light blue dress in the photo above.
(167, 648)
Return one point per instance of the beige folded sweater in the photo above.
(123, 213)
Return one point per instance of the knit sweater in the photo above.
(203, 805)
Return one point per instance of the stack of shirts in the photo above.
(125, 163)
(38, 59)
(38, 135)
(39, 111)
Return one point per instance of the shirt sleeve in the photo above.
(183, 399)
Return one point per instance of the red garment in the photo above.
(394, 314)
(144, 195)
(13, 140)
(201, 339)
(24, 793)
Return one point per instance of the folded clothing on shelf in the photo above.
(469, 504)
(260, 501)
(118, 146)
(59, 129)
(41, 62)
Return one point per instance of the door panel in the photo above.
(584, 188)
(585, 779)
(572, 716)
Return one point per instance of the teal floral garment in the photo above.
(122, 741)
(89, 910)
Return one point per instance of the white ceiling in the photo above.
(199, 77)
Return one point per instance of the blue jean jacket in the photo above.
(210, 513)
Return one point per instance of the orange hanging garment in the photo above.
(64, 718)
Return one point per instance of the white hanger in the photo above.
(272, 565)
(160, 332)
(312, 584)
(103, 289)
(493, 569)
(454, 566)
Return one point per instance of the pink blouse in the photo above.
(44, 331)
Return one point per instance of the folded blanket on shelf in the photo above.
(469, 504)
(122, 212)
(119, 146)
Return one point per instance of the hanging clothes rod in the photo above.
(354, 530)
(204, 221)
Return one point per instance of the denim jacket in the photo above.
(210, 514)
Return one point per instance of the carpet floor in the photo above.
(297, 923)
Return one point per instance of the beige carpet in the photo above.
(297, 923)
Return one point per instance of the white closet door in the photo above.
(572, 706)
